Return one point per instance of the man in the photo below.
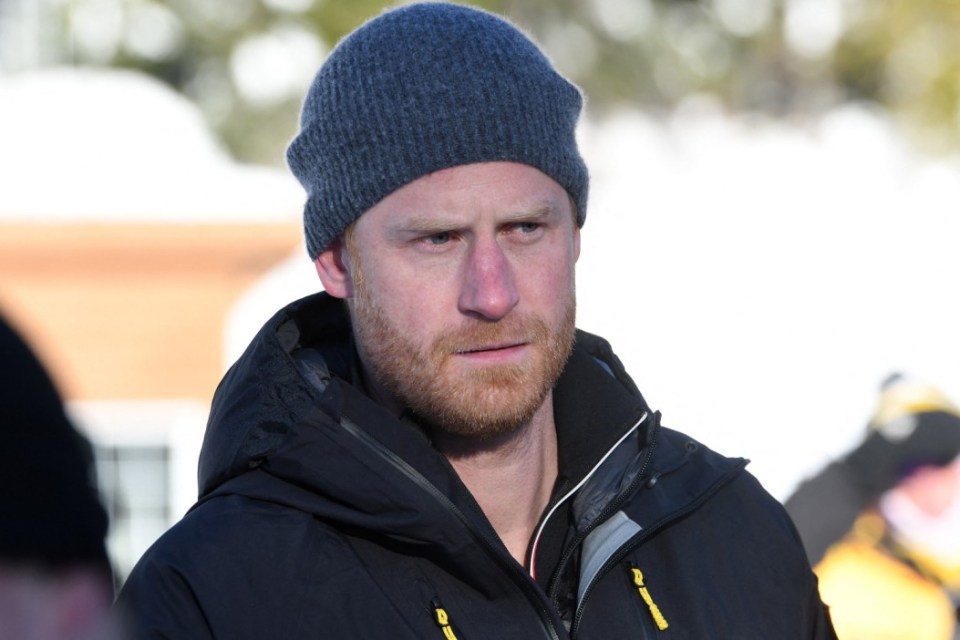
(882, 523)
(55, 576)
(430, 449)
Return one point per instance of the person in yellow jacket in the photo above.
(881, 525)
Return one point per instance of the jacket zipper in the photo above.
(442, 620)
(611, 506)
(543, 524)
(637, 539)
(528, 588)
(644, 591)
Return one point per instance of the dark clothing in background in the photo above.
(52, 516)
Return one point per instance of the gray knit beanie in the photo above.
(421, 88)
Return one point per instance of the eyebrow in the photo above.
(442, 222)
(542, 209)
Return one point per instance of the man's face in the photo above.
(463, 298)
(933, 489)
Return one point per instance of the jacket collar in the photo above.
(595, 404)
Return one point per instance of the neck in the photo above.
(512, 479)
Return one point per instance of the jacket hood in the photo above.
(264, 393)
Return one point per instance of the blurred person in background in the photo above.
(56, 580)
(429, 448)
(882, 523)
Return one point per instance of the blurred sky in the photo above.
(759, 278)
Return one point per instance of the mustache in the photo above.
(478, 335)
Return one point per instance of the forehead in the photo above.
(472, 192)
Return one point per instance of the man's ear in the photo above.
(334, 271)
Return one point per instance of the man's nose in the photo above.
(488, 290)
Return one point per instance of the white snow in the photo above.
(109, 145)
(760, 280)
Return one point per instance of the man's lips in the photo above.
(501, 352)
(492, 348)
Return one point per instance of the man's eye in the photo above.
(526, 230)
(438, 238)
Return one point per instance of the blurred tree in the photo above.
(905, 54)
(247, 63)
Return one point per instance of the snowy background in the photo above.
(758, 278)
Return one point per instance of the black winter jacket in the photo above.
(321, 515)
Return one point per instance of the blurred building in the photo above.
(126, 240)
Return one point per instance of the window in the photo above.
(146, 463)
